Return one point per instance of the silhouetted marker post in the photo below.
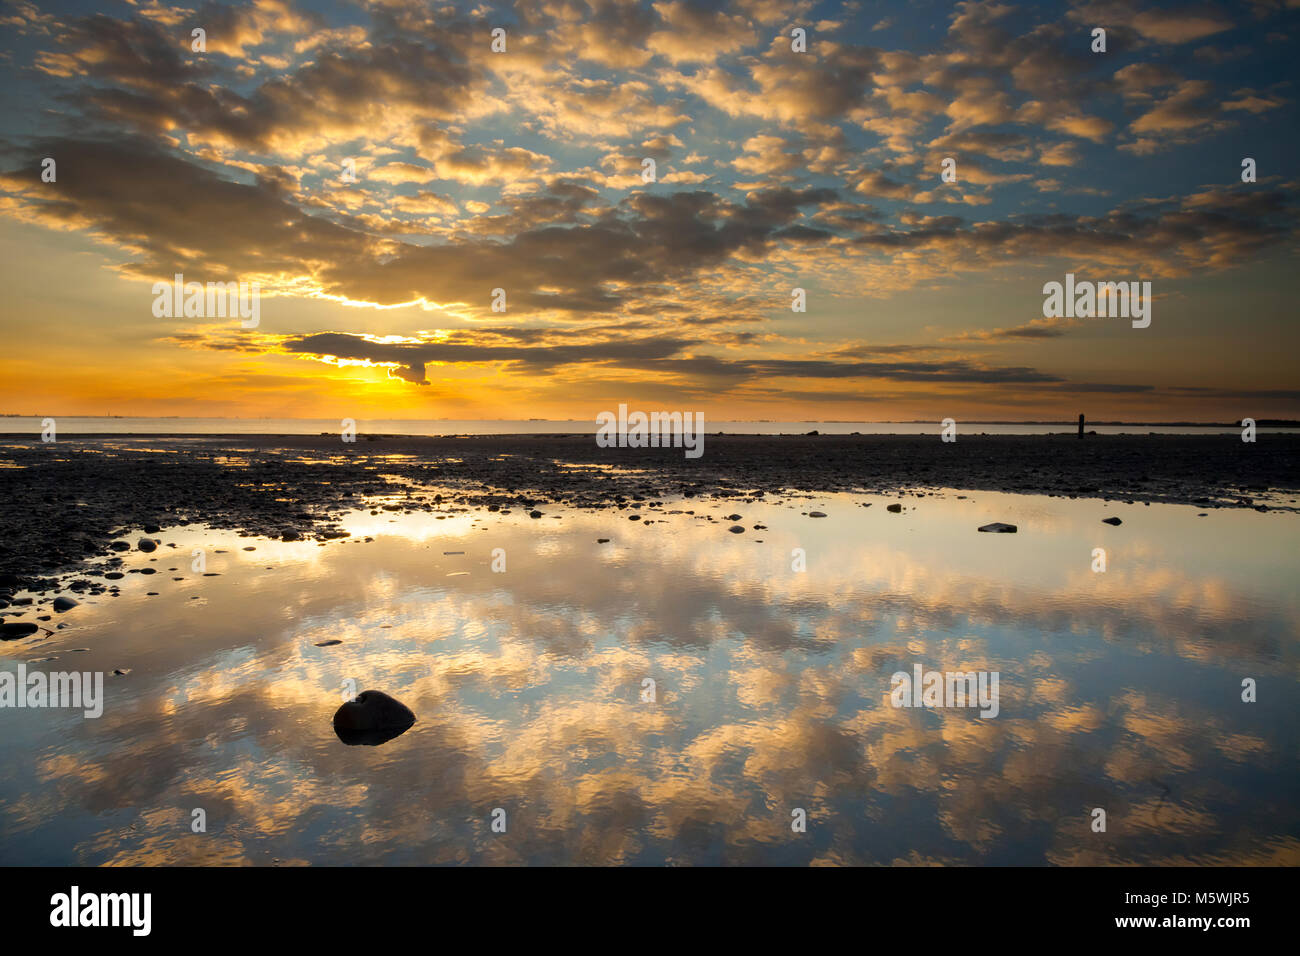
(1081, 424)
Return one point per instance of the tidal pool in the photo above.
(1120, 690)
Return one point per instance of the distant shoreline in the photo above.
(1065, 423)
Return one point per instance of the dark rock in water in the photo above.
(113, 575)
(151, 529)
(999, 527)
(122, 671)
(148, 570)
(121, 545)
(290, 535)
(147, 544)
(733, 517)
(602, 540)
(633, 517)
(62, 604)
(895, 508)
(329, 643)
(1115, 521)
(736, 529)
(372, 718)
(816, 514)
(534, 514)
(12, 630)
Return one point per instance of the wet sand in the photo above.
(63, 503)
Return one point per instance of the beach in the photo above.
(61, 503)
(619, 656)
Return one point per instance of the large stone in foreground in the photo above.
(999, 527)
(372, 718)
(12, 630)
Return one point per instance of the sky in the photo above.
(379, 167)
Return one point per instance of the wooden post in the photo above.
(1081, 424)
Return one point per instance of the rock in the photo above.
(147, 544)
(329, 643)
(602, 540)
(12, 630)
(62, 604)
(999, 527)
(151, 529)
(121, 545)
(122, 671)
(733, 517)
(1114, 521)
(372, 718)
(534, 514)
(113, 575)
(895, 508)
(633, 517)
(290, 535)
(736, 529)
(816, 514)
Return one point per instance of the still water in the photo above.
(1119, 690)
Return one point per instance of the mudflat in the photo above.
(63, 503)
